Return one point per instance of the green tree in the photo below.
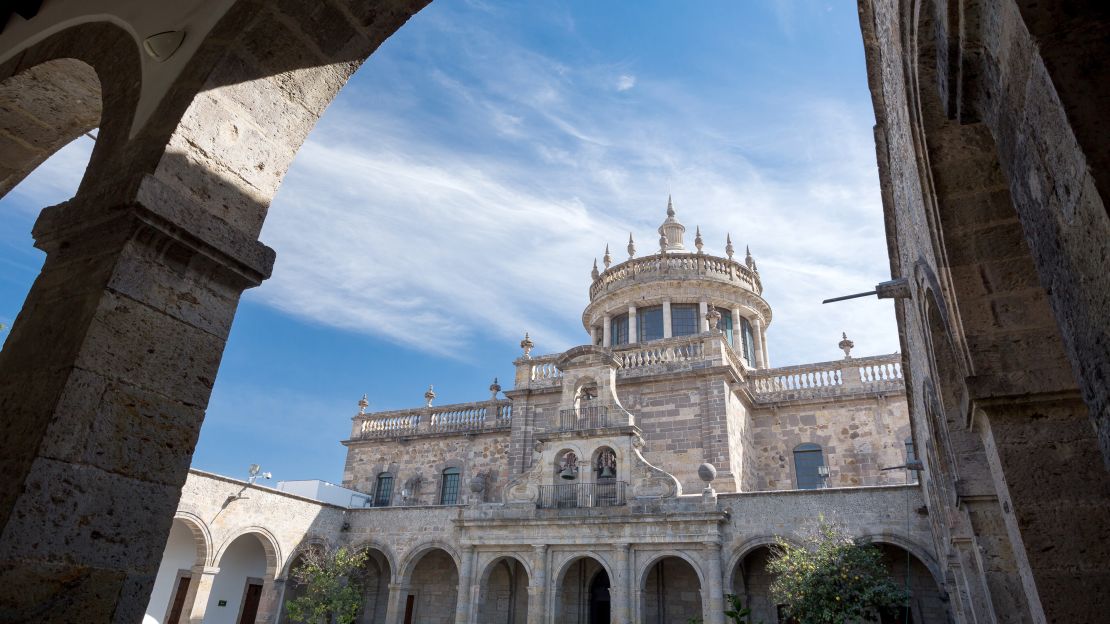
(736, 612)
(332, 584)
(832, 578)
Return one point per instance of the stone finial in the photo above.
(363, 403)
(707, 472)
(662, 243)
(713, 317)
(593, 273)
(697, 239)
(670, 206)
(631, 247)
(527, 345)
(729, 250)
(494, 388)
(846, 345)
(429, 396)
(748, 259)
(607, 259)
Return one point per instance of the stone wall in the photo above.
(858, 437)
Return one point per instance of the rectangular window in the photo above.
(450, 495)
(383, 493)
(649, 324)
(618, 330)
(725, 325)
(684, 320)
(747, 337)
(808, 462)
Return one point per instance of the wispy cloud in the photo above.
(437, 232)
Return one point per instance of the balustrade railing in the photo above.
(660, 352)
(678, 265)
(544, 369)
(462, 418)
(570, 495)
(580, 418)
(869, 374)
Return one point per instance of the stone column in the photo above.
(667, 318)
(762, 348)
(703, 323)
(606, 331)
(395, 608)
(632, 338)
(200, 589)
(593, 335)
(269, 606)
(104, 382)
(622, 598)
(463, 602)
(537, 585)
(760, 344)
(713, 596)
(736, 332)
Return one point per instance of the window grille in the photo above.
(649, 324)
(684, 319)
(450, 492)
(383, 491)
(618, 330)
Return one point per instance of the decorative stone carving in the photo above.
(429, 396)
(662, 243)
(713, 317)
(494, 388)
(729, 249)
(648, 481)
(527, 345)
(748, 259)
(631, 247)
(594, 273)
(846, 345)
(363, 403)
(698, 242)
(607, 259)
(707, 472)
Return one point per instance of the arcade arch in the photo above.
(670, 591)
(503, 597)
(246, 563)
(582, 592)
(430, 583)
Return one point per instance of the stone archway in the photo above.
(187, 550)
(928, 602)
(503, 598)
(670, 591)
(582, 592)
(375, 579)
(751, 582)
(246, 565)
(431, 586)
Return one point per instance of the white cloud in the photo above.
(626, 82)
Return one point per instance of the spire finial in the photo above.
(729, 250)
(748, 260)
(429, 396)
(697, 239)
(846, 345)
(607, 259)
(594, 274)
(527, 345)
(494, 388)
(670, 206)
(631, 247)
(363, 403)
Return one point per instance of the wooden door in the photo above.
(179, 600)
(250, 603)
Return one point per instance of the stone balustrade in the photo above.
(880, 373)
(455, 418)
(676, 266)
(638, 355)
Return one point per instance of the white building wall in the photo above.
(243, 559)
(180, 554)
(325, 492)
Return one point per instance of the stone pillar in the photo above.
(464, 593)
(622, 598)
(703, 323)
(713, 596)
(736, 346)
(762, 348)
(269, 607)
(104, 381)
(537, 585)
(606, 331)
(593, 335)
(667, 318)
(760, 344)
(200, 589)
(632, 337)
(395, 608)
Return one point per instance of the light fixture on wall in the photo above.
(256, 472)
(823, 473)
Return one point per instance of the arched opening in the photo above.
(928, 604)
(504, 592)
(582, 594)
(432, 589)
(237, 589)
(751, 582)
(186, 548)
(671, 592)
(375, 577)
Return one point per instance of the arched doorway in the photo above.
(928, 603)
(433, 587)
(170, 600)
(504, 593)
(237, 589)
(582, 595)
(375, 587)
(671, 592)
(751, 582)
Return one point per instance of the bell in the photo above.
(567, 473)
(607, 472)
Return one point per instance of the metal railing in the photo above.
(572, 495)
(579, 418)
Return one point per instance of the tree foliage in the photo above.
(331, 582)
(832, 578)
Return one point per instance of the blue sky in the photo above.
(457, 191)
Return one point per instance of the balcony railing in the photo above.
(882, 373)
(572, 495)
(581, 418)
(457, 418)
(675, 265)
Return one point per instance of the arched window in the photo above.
(649, 324)
(747, 341)
(449, 492)
(725, 324)
(808, 464)
(618, 330)
(684, 319)
(383, 491)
